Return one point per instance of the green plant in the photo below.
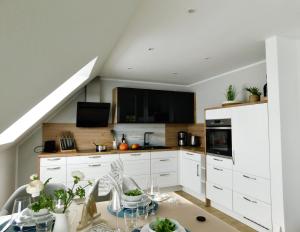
(230, 93)
(253, 91)
(135, 192)
(163, 225)
(44, 201)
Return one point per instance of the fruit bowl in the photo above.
(133, 196)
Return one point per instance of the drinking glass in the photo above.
(142, 214)
(153, 187)
(44, 223)
(130, 218)
(20, 204)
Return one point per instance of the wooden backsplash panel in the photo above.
(173, 129)
(84, 137)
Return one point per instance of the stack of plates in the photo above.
(133, 204)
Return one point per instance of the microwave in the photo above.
(218, 137)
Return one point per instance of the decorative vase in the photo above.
(61, 222)
(254, 98)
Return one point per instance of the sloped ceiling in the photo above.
(43, 43)
(216, 37)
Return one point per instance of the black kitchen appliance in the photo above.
(182, 138)
(92, 114)
(218, 137)
(50, 146)
(194, 141)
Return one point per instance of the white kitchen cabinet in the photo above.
(250, 140)
(53, 167)
(219, 194)
(192, 171)
(218, 113)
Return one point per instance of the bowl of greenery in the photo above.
(133, 195)
(164, 225)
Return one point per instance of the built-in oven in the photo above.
(218, 137)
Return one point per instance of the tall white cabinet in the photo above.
(241, 186)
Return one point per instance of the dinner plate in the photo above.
(146, 228)
(133, 205)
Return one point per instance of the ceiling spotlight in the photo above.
(191, 11)
(150, 49)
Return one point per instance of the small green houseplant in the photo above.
(254, 94)
(230, 94)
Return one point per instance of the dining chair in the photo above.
(21, 192)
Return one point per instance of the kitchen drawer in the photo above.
(52, 161)
(219, 194)
(218, 114)
(137, 167)
(191, 155)
(167, 179)
(57, 173)
(252, 210)
(253, 186)
(92, 159)
(164, 165)
(135, 156)
(219, 161)
(164, 154)
(219, 176)
(91, 171)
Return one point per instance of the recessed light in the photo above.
(191, 11)
(150, 49)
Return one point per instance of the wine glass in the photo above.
(130, 218)
(142, 213)
(153, 187)
(20, 204)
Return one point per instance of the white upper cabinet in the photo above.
(250, 140)
(218, 113)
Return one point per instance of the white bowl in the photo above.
(133, 198)
(177, 229)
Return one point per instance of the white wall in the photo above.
(283, 66)
(7, 173)
(212, 91)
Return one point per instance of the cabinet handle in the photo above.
(162, 160)
(136, 154)
(233, 157)
(219, 169)
(55, 168)
(189, 153)
(197, 169)
(217, 187)
(218, 160)
(258, 223)
(95, 157)
(53, 159)
(247, 199)
(95, 165)
(248, 177)
(166, 174)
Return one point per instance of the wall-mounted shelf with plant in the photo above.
(254, 94)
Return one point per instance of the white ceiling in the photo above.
(230, 33)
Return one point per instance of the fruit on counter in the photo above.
(135, 146)
(123, 146)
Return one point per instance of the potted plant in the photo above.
(230, 95)
(254, 94)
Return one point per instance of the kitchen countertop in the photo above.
(198, 150)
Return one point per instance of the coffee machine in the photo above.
(182, 138)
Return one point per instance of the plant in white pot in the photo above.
(254, 94)
(230, 95)
(63, 198)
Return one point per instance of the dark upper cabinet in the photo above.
(182, 107)
(153, 106)
(131, 105)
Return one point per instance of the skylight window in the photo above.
(47, 104)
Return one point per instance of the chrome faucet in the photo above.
(147, 139)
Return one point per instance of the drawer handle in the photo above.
(197, 169)
(162, 160)
(189, 153)
(257, 223)
(94, 165)
(95, 157)
(136, 154)
(53, 159)
(218, 160)
(219, 169)
(56, 168)
(248, 177)
(216, 187)
(247, 199)
(166, 174)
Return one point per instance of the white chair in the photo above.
(21, 192)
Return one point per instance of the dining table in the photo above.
(176, 207)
